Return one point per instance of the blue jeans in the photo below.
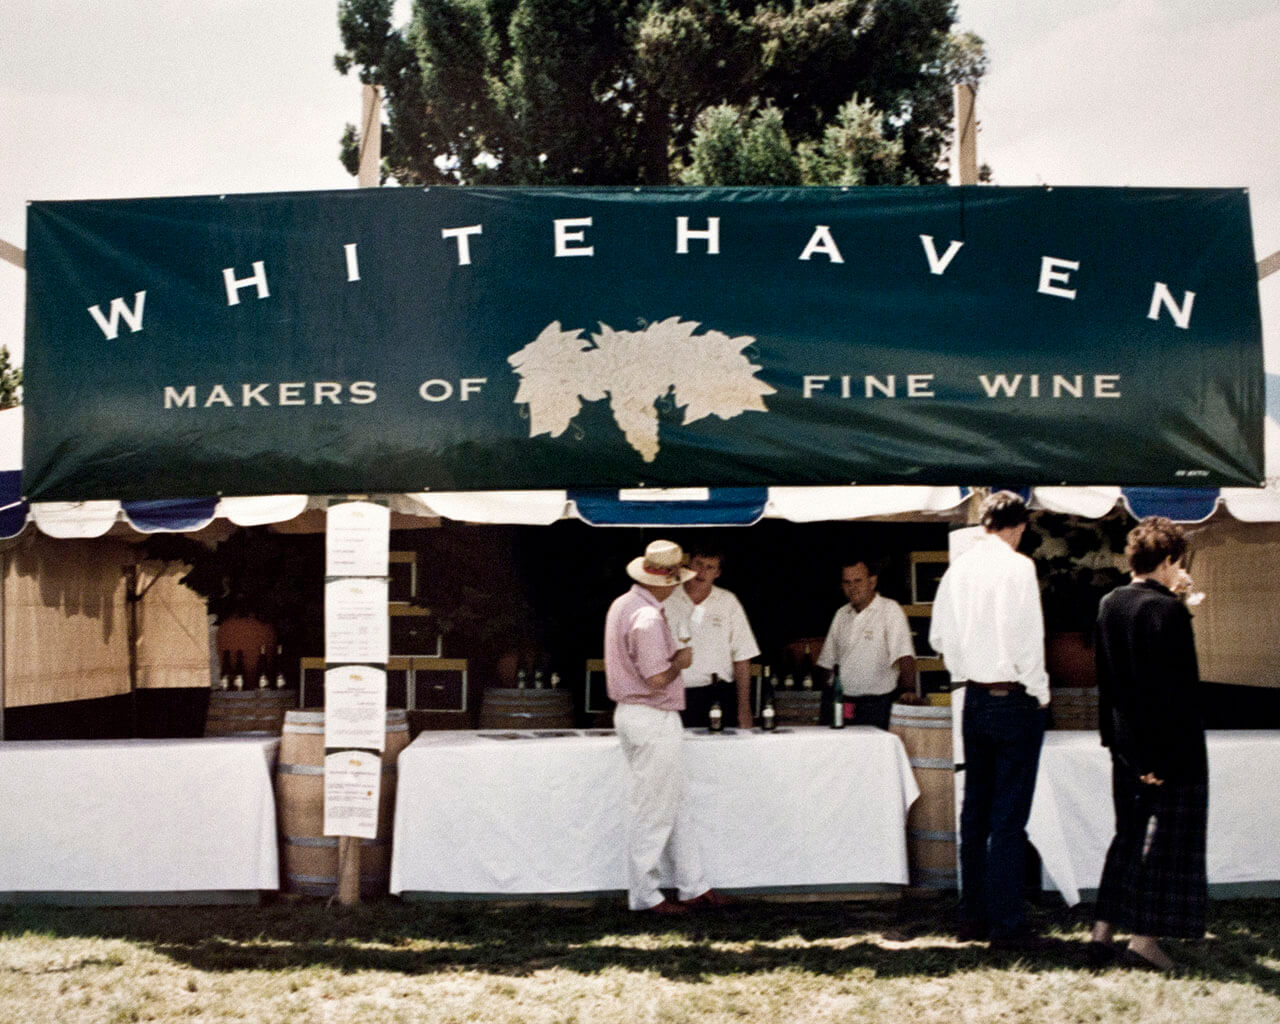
(1002, 740)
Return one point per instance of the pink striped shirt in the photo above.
(638, 645)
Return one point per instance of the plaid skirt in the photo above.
(1154, 880)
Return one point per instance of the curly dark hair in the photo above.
(1002, 509)
(1153, 540)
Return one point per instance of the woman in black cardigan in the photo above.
(1154, 881)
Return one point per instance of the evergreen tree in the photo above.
(10, 381)
(619, 92)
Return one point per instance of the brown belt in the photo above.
(999, 689)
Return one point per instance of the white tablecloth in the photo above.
(1072, 818)
(121, 816)
(805, 808)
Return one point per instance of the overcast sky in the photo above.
(126, 98)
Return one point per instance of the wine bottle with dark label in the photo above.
(716, 714)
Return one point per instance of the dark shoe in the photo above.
(1101, 954)
(1024, 942)
(710, 898)
(668, 908)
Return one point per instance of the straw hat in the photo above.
(660, 566)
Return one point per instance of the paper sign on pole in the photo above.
(356, 626)
(357, 539)
(352, 784)
(355, 707)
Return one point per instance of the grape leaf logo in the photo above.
(708, 374)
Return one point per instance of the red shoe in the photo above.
(668, 908)
(711, 898)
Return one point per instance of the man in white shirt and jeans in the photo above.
(870, 640)
(716, 626)
(988, 627)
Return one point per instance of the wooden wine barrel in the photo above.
(248, 712)
(505, 708)
(797, 707)
(309, 858)
(1074, 707)
(925, 732)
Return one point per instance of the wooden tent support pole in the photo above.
(348, 871)
(4, 582)
(131, 598)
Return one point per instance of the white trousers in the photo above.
(658, 821)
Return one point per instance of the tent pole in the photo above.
(4, 582)
(10, 253)
(370, 166)
(131, 598)
(964, 143)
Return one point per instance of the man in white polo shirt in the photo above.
(870, 641)
(716, 626)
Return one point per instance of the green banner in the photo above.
(475, 339)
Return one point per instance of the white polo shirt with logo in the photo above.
(865, 645)
(718, 630)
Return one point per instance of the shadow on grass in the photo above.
(892, 939)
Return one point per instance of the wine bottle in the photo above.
(264, 677)
(237, 680)
(555, 680)
(281, 682)
(520, 680)
(808, 682)
(224, 679)
(537, 679)
(837, 700)
(789, 682)
(716, 718)
(768, 721)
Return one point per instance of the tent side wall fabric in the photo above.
(1237, 566)
(66, 625)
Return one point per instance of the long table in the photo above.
(801, 809)
(1072, 818)
(137, 821)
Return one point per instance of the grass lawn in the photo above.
(890, 960)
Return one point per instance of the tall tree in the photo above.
(10, 380)
(610, 92)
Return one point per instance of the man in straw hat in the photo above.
(643, 670)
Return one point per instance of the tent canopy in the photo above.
(635, 507)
